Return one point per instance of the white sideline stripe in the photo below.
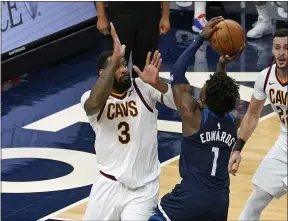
(53, 215)
(197, 79)
(66, 117)
(63, 219)
(267, 116)
(170, 161)
(169, 126)
(238, 76)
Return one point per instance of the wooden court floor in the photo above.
(259, 144)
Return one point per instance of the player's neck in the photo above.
(282, 74)
(119, 93)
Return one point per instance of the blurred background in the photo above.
(38, 34)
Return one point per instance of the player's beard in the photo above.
(122, 85)
(283, 65)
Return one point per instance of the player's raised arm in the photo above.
(103, 86)
(250, 121)
(159, 91)
(185, 103)
(221, 68)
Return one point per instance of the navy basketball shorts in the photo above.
(185, 203)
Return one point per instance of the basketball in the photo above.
(228, 38)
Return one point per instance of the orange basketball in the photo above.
(228, 38)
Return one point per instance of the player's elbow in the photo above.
(91, 107)
(185, 113)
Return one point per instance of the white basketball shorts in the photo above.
(111, 200)
(272, 172)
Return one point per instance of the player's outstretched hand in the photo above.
(234, 162)
(150, 74)
(225, 59)
(211, 27)
(118, 49)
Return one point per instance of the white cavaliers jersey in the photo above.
(268, 85)
(126, 134)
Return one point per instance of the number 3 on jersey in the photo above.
(124, 135)
(215, 150)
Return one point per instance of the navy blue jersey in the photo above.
(205, 155)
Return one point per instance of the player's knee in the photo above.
(157, 218)
(259, 199)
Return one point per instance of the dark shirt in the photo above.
(134, 7)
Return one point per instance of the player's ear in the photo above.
(101, 71)
(203, 94)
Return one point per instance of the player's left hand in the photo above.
(150, 74)
(234, 162)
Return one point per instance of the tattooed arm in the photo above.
(103, 87)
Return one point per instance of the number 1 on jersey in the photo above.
(215, 150)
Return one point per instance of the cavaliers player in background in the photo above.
(270, 179)
(123, 115)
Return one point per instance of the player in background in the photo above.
(271, 174)
(124, 118)
(209, 133)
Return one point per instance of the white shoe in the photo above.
(260, 28)
(184, 4)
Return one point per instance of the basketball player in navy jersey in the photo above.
(209, 133)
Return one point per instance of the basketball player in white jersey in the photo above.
(123, 115)
(270, 179)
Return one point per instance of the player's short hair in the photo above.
(221, 93)
(102, 59)
(283, 32)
